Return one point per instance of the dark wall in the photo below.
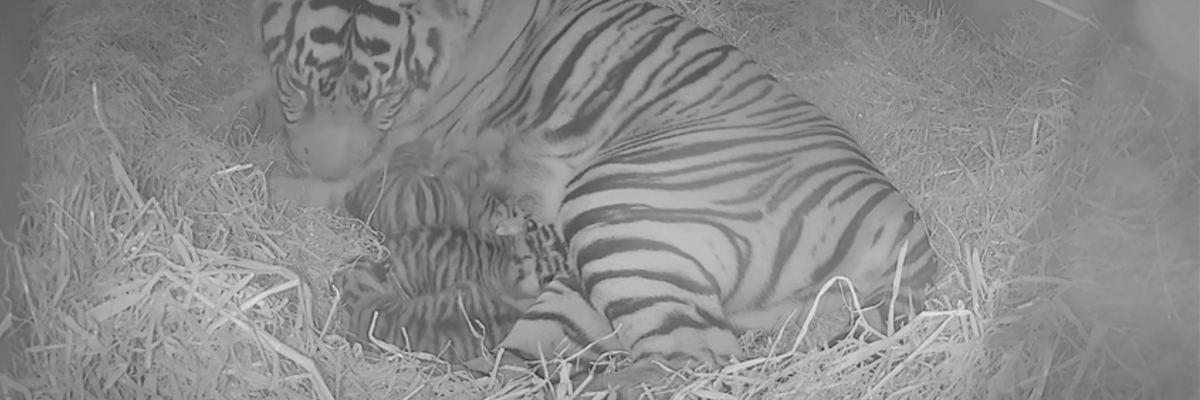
(16, 26)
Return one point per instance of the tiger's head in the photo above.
(347, 73)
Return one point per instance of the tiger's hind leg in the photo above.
(663, 302)
(889, 303)
(877, 313)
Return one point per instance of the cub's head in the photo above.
(363, 287)
(539, 257)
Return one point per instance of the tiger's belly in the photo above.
(731, 249)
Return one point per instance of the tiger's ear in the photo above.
(270, 16)
(479, 366)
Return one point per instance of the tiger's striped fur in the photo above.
(676, 165)
(430, 266)
(430, 258)
(342, 79)
(352, 87)
(699, 196)
(346, 90)
(420, 186)
(433, 323)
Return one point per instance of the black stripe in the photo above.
(623, 307)
(575, 333)
(846, 241)
(608, 247)
(791, 235)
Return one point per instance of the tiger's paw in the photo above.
(282, 186)
(644, 379)
(479, 366)
(662, 355)
(301, 191)
(711, 345)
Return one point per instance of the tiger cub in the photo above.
(415, 291)
(433, 323)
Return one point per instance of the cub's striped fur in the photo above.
(433, 323)
(427, 259)
(430, 266)
(420, 186)
(699, 196)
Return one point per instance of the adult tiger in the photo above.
(412, 296)
(698, 195)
